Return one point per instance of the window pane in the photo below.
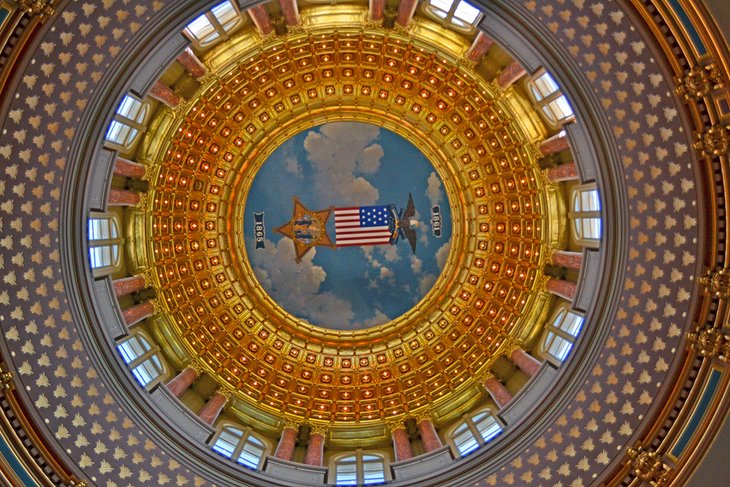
(373, 469)
(117, 132)
(202, 29)
(227, 441)
(129, 107)
(466, 12)
(561, 108)
(226, 15)
(147, 371)
(572, 324)
(464, 440)
(557, 346)
(487, 427)
(101, 256)
(588, 228)
(99, 228)
(346, 471)
(546, 85)
(444, 5)
(251, 453)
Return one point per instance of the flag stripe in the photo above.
(367, 225)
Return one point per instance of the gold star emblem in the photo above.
(307, 229)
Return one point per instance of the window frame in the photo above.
(150, 355)
(359, 456)
(135, 124)
(447, 18)
(548, 103)
(579, 216)
(220, 31)
(477, 436)
(556, 326)
(113, 243)
(240, 446)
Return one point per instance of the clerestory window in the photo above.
(560, 333)
(549, 100)
(359, 468)
(585, 215)
(143, 358)
(104, 243)
(213, 26)
(458, 14)
(474, 431)
(241, 445)
(128, 123)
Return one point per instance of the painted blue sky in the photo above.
(346, 164)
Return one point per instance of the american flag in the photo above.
(363, 225)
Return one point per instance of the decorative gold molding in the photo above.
(710, 342)
(714, 142)
(39, 8)
(716, 282)
(700, 81)
(6, 378)
(647, 466)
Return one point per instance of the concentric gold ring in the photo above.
(269, 358)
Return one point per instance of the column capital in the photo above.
(318, 429)
(423, 416)
(395, 425)
(291, 424)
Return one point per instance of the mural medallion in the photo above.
(347, 225)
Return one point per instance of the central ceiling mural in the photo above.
(331, 170)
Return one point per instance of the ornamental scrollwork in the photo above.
(647, 466)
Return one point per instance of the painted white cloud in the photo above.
(369, 162)
(340, 156)
(390, 252)
(434, 191)
(416, 264)
(425, 283)
(377, 319)
(296, 286)
(442, 254)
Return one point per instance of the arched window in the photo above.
(549, 100)
(240, 445)
(474, 431)
(457, 14)
(560, 334)
(585, 215)
(143, 358)
(127, 124)
(104, 243)
(213, 26)
(359, 468)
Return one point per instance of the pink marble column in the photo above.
(562, 288)
(556, 143)
(212, 409)
(563, 172)
(567, 259)
(526, 362)
(138, 312)
(480, 46)
(290, 9)
(498, 391)
(192, 64)
(128, 169)
(127, 285)
(287, 443)
(406, 9)
(182, 381)
(377, 9)
(429, 437)
(261, 19)
(122, 197)
(315, 449)
(401, 443)
(165, 94)
(510, 74)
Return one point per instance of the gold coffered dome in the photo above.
(206, 154)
